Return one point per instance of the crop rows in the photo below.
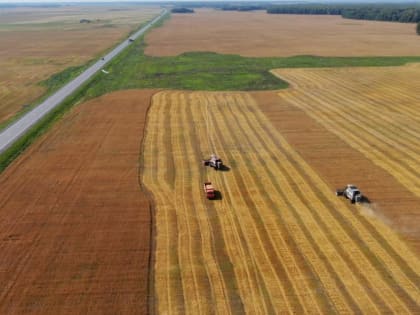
(277, 240)
(375, 111)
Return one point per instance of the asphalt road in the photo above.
(16, 130)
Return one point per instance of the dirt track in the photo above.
(74, 225)
(263, 35)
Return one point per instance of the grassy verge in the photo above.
(211, 71)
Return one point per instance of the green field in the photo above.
(212, 71)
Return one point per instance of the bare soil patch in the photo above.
(74, 223)
(259, 34)
(37, 43)
(339, 164)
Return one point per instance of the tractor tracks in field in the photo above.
(276, 241)
(364, 118)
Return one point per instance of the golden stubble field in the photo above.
(258, 34)
(375, 112)
(37, 42)
(277, 240)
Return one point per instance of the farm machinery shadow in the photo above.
(217, 195)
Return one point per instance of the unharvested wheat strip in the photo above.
(165, 218)
(396, 91)
(237, 103)
(400, 173)
(374, 114)
(327, 104)
(355, 100)
(337, 203)
(244, 268)
(188, 275)
(193, 277)
(372, 120)
(173, 281)
(390, 264)
(268, 273)
(359, 294)
(162, 263)
(218, 287)
(162, 150)
(249, 179)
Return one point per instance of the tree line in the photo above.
(383, 12)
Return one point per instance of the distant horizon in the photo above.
(158, 1)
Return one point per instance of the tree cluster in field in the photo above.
(232, 7)
(182, 10)
(408, 15)
(379, 12)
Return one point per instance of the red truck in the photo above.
(209, 190)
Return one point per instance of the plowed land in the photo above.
(74, 224)
(375, 112)
(258, 34)
(277, 240)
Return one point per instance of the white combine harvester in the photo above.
(351, 192)
(214, 162)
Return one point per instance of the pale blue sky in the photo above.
(317, 1)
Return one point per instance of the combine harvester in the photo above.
(352, 193)
(214, 162)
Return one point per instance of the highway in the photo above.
(16, 130)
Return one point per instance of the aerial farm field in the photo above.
(372, 113)
(277, 239)
(106, 212)
(38, 42)
(74, 224)
(259, 34)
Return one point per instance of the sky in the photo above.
(71, 1)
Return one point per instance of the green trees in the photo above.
(182, 10)
(379, 12)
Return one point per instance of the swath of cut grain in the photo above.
(375, 116)
(292, 246)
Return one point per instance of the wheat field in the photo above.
(277, 241)
(375, 111)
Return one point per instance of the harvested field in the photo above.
(74, 224)
(277, 240)
(37, 43)
(258, 34)
(375, 112)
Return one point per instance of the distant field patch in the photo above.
(36, 43)
(258, 34)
